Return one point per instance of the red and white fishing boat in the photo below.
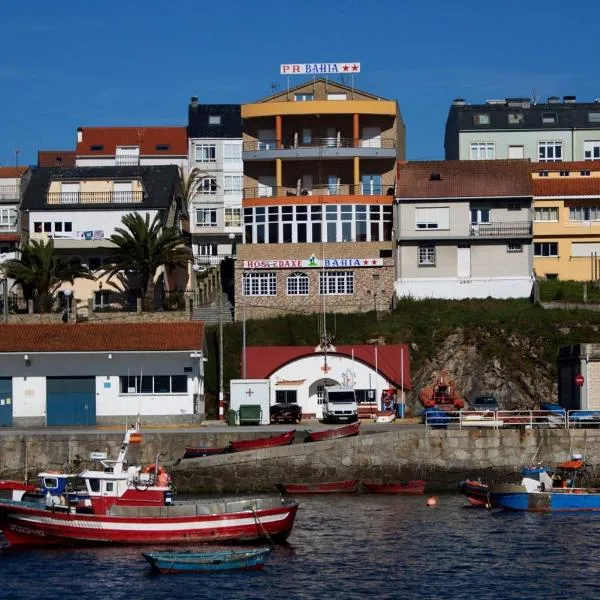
(134, 505)
(414, 486)
(333, 433)
(329, 487)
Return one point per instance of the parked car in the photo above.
(484, 403)
(286, 413)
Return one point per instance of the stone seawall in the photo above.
(440, 457)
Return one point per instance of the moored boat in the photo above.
(442, 394)
(414, 486)
(333, 433)
(198, 451)
(329, 487)
(133, 504)
(207, 562)
(476, 491)
(283, 439)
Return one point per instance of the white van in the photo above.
(339, 404)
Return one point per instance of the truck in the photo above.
(339, 404)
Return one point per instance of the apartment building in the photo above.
(552, 131)
(12, 183)
(319, 175)
(566, 228)
(464, 229)
(215, 206)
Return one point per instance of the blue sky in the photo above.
(68, 64)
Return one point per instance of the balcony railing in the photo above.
(10, 225)
(95, 197)
(315, 142)
(210, 260)
(515, 228)
(9, 192)
(340, 189)
(127, 161)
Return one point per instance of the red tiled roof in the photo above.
(566, 186)
(56, 158)
(6, 172)
(10, 237)
(464, 179)
(579, 165)
(148, 138)
(97, 337)
(263, 361)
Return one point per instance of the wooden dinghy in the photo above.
(414, 486)
(329, 487)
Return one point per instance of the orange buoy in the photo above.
(432, 502)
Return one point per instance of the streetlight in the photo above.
(5, 299)
(67, 294)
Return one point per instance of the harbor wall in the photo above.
(442, 457)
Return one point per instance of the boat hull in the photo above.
(477, 493)
(560, 500)
(336, 432)
(25, 523)
(330, 487)
(207, 562)
(271, 442)
(416, 486)
(197, 452)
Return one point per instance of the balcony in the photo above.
(95, 197)
(508, 229)
(341, 189)
(127, 161)
(10, 225)
(9, 192)
(318, 148)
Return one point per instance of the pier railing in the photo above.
(510, 419)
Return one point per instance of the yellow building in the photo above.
(566, 229)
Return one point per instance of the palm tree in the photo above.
(142, 247)
(189, 185)
(40, 272)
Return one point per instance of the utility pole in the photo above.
(221, 395)
(5, 300)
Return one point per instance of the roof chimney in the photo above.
(459, 102)
(553, 99)
(569, 99)
(194, 101)
(79, 135)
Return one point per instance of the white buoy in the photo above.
(432, 502)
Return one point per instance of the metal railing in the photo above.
(10, 192)
(95, 197)
(497, 419)
(210, 260)
(127, 161)
(501, 229)
(338, 189)
(318, 142)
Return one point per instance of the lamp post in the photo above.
(67, 294)
(5, 300)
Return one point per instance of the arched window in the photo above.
(297, 284)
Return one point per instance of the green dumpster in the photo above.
(231, 417)
(250, 414)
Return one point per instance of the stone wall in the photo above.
(443, 458)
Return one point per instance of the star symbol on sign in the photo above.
(365, 262)
(374, 262)
(355, 67)
(345, 68)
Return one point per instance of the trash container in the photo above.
(231, 417)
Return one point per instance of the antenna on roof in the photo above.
(533, 97)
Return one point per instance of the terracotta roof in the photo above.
(464, 179)
(566, 186)
(150, 140)
(56, 158)
(10, 237)
(96, 337)
(579, 165)
(6, 172)
(263, 361)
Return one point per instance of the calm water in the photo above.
(351, 547)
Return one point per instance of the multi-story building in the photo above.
(551, 131)
(464, 229)
(12, 182)
(215, 151)
(80, 208)
(319, 174)
(566, 229)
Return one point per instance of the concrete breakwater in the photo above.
(442, 457)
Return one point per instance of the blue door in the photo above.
(70, 401)
(6, 402)
(371, 185)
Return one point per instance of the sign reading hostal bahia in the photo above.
(313, 263)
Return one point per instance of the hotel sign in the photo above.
(320, 68)
(313, 263)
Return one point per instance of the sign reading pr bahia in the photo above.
(345, 68)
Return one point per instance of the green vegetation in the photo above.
(555, 290)
(516, 332)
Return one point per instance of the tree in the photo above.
(40, 272)
(142, 247)
(189, 185)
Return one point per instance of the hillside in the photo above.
(507, 348)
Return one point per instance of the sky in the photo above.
(79, 63)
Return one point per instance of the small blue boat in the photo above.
(205, 562)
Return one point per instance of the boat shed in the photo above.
(97, 374)
(579, 377)
(298, 374)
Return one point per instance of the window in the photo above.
(233, 184)
(101, 299)
(548, 117)
(545, 249)
(591, 150)
(162, 147)
(516, 118)
(432, 218)
(514, 206)
(297, 284)
(214, 119)
(546, 213)
(206, 153)
(58, 226)
(336, 96)
(550, 151)
(206, 217)
(47, 227)
(233, 217)
(584, 213)
(207, 185)
(594, 117)
(259, 284)
(232, 152)
(153, 384)
(426, 256)
(303, 97)
(68, 226)
(480, 215)
(96, 147)
(585, 173)
(514, 247)
(516, 152)
(286, 396)
(481, 119)
(543, 173)
(564, 173)
(336, 283)
(37, 227)
(483, 151)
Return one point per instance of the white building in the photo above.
(92, 374)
